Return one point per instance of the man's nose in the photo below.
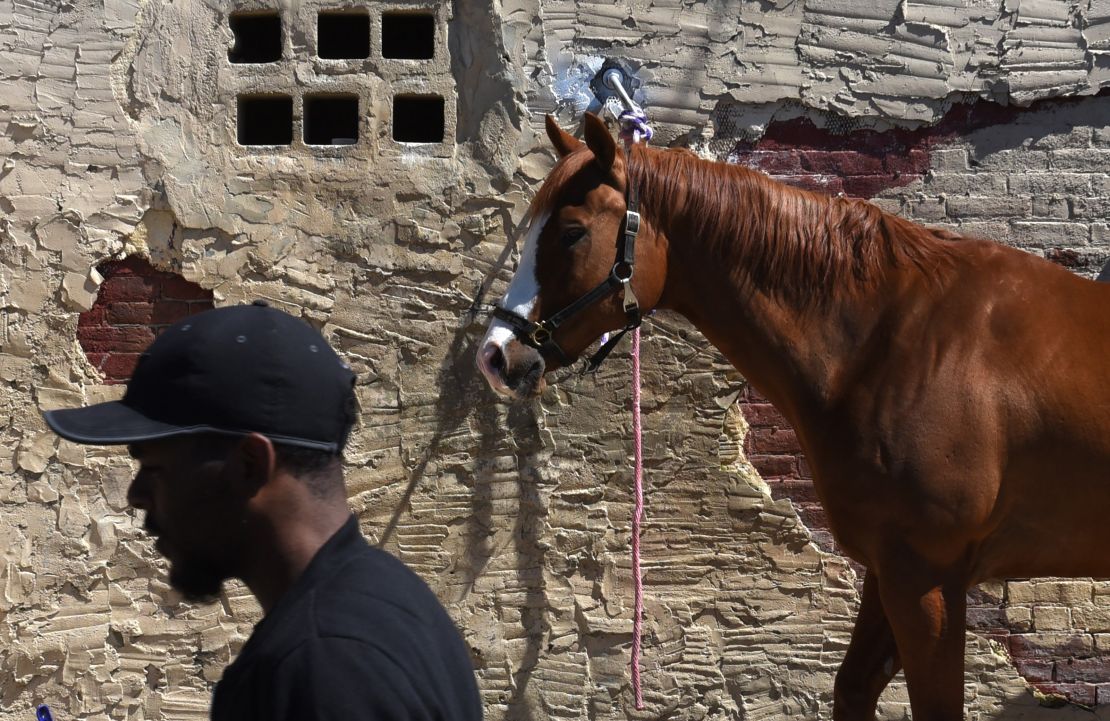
(137, 495)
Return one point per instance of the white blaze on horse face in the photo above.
(523, 289)
(519, 298)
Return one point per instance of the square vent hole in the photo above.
(257, 37)
(265, 120)
(418, 118)
(343, 35)
(331, 119)
(408, 36)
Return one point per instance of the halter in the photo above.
(541, 335)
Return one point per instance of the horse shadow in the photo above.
(501, 432)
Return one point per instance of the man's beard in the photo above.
(197, 581)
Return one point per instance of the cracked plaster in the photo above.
(118, 138)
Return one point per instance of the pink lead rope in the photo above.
(637, 517)
(634, 126)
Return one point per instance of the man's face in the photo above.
(186, 487)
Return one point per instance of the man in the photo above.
(237, 417)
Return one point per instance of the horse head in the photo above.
(573, 284)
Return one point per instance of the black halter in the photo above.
(541, 335)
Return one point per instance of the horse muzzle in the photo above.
(512, 369)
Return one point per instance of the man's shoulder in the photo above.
(331, 677)
(372, 583)
(368, 596)
(356, 645)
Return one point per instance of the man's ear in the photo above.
(603, 145)
(564, 142)
(255, 462)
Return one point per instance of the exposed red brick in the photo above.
(864, 162)
(126, 288)
(177, 288)
(132, 313)
(824, 539)
(1089, 670)
(773, 162)
(133, 305)
(1027, 645)
(774, 441)
(171, 311)
(1035, 669)
(1085, 694)
(840, 162)
(126, 339)
(93, 316)
(763, 415)
(799, 491)
(751, 395)
(813, 515)
(979, 596)
(119, 366)
(96, 359)
(913, 162)
(982, 619)
(775, 466)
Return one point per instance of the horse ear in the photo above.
(600, 141)
(564, 142)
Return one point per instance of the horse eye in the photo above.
(571, 236)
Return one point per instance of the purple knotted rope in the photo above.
(634, 126)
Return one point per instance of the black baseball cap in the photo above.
(233, 371)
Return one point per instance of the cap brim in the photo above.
(109, 424)
(116, 424)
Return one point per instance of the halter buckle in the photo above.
(631, 222)
(540, 335)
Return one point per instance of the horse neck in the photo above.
(770, 312)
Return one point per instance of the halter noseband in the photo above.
(541, 335)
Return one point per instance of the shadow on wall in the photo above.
(500, 474)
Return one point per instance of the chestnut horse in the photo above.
(950, 394)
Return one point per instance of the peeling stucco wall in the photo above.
(119, 138)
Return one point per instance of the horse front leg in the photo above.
(926, 608)
(871, 660)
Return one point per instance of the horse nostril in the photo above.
(496, 359)
(491, 361)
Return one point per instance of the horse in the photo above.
(949, 392)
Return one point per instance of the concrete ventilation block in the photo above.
(342, 35)
(331, 119)
(257, 37)
(418, 119)
(408, 36)
(265, 120)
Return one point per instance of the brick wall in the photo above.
(135, 302)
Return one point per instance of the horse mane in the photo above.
(794, 243)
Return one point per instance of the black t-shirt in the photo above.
(359, 636)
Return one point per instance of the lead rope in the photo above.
(634, 127)
(637, 517)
